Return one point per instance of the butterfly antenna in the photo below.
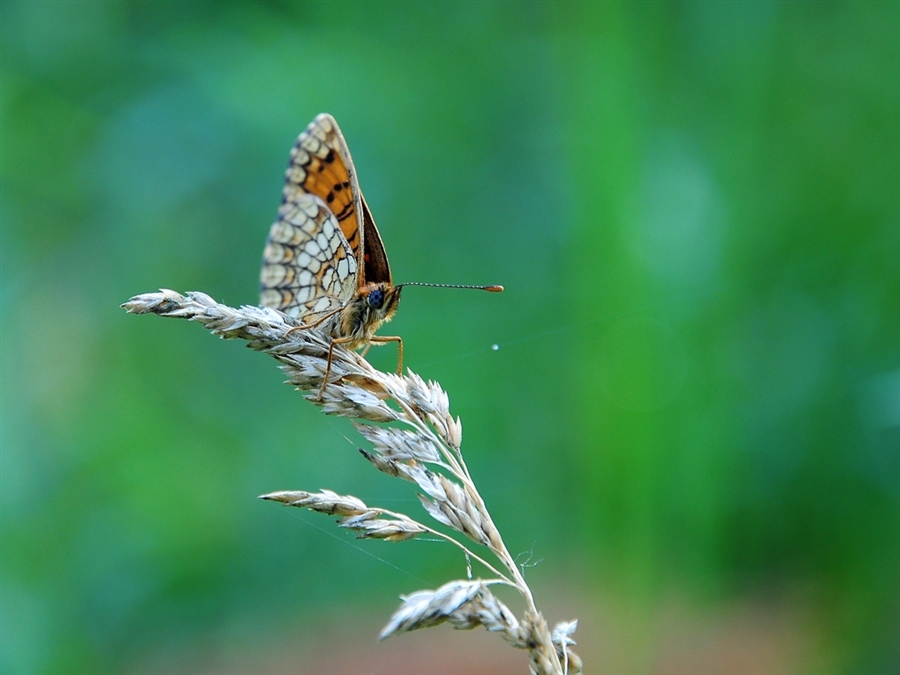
(489, 289)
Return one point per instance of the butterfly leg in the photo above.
(392, 338)
(334, 342)
(306, 326)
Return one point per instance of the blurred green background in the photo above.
(693, 417)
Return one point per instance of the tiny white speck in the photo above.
(495, 347)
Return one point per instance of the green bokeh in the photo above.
(694, 207)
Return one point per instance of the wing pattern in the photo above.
(308, 267)
(311, 262)
(321, 165)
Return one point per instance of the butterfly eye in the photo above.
(376, 298)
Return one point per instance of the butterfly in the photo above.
(324, 262)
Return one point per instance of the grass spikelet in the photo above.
(423, 446)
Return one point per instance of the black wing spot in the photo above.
(330, 197)
(329, 158)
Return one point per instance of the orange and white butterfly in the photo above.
(324, 262)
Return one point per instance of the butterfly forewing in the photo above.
(314, 258)
(374, 263)
(321, 165)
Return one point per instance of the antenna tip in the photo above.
(494, 289)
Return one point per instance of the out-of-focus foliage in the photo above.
(695, 403)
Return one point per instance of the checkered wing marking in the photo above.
(321, 165)
(308, 267)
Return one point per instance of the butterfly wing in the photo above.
(374, 261)
(321, 165)
(308, 266)
(320, 187)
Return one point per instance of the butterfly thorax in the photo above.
(371, 306)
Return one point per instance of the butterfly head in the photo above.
(382, 300)
(373, 305)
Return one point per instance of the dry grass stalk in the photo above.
(426, 452)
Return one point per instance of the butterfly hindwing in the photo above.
(308, 266)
